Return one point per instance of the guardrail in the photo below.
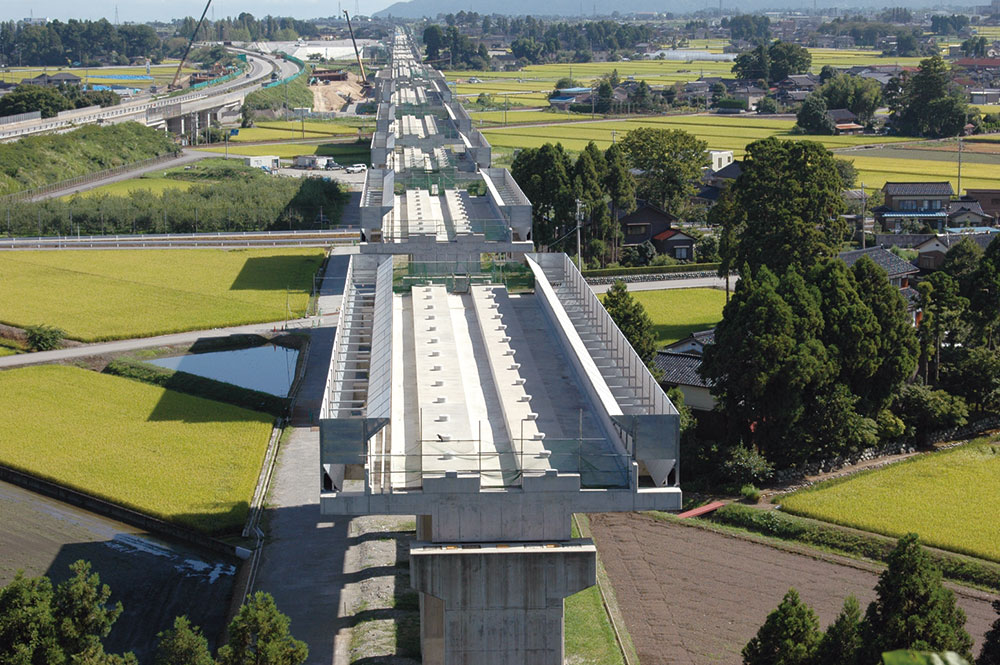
(84, 179)
(343, 236)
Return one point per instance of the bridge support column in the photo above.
(493, 604)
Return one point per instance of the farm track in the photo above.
(696, 597)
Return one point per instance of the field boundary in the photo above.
(88, 178)
(117, 512)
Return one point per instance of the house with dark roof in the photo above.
(967, 212)
(933, 250)
(713, 183)
(989, 200)
(911, 205)
(54, 79)
(648, 223)
(898, 270)
(680, 370)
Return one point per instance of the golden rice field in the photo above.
(949, 498)
(720, 132)
(292, 129)
(102, 295)
(162, 74)
(876, 171)
(518, 117)
(174, 456)
(154, 184)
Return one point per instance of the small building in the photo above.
(720, 159)
(989, 200)
(59, 78)
(898, 270)
(967, 212)
(269, 162)
(932, 251)
(648, 223)
(309, 162)
(681, 371)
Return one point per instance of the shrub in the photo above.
(747, 466)
(43, 337)
(750, 494)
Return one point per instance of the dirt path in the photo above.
(694, 597)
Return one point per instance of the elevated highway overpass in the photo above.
(178, 113)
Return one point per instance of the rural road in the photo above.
(87, 350)
(186, 157)
(693, 597)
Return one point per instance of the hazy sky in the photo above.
(147, 10)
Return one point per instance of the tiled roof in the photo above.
(663, 235)
(729, 171)
(679, 369)
(889, 262)
(981, 239)
(958, 207)
(918, 189)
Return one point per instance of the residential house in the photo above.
(679, 365)
(749, 94)
(648, 223)
(932, 251)
(898, 271)
(54, 79)
(912, 205)
(989, 200)
(807, 82)
(985, 96)
(844, 121)
(967, 212)
(715, 180)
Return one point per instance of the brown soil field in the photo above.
(154, 579)
(326, 97)
(696, 597)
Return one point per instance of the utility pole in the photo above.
(864, 214)
(959, 192)
(579, 223)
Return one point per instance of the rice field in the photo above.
(946, 497)
(162, 74)
(519, 117)
(101, 295)
(174, 456)
(676, 313)
(153, 184)
(720, 132)
(876, 171)
(292, 129)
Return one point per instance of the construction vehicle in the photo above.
(173, 85)
(366, 85)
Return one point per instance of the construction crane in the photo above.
(364, 77)
(173, 85)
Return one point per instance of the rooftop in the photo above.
(918, 189)
(892, 264)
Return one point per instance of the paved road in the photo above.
(693, 597)
(693, 283)
(120, 346)
(187, 156)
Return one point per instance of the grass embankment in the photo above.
(174, 456)
(279, 130)
(35, 161)
(294, 94)
(676, 313)
(102, 295)
(781, 526)
(945, 497)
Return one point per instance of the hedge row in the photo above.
(652, 270)
(199, 386)
(855, 543)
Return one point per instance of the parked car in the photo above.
(356, 168)
(332, 165)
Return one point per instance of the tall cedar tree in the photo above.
(588, 189)
(789, 636)
(671, 161)
(961, 263)
(545, 175)
(942, 308)
(929, 104)
(896, 349)
(631, 318)
(913, 609)
(83, 614)
(849, 328)
(728, 217)
(984, 301)
(259, 634)
(183, 644)
(619, 184)
(841, 643)
(787, 206)
(990, 653)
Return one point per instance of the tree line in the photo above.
(49, 101)
(912, 610)
(42, 624)
(243, 200)
(83, 43)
